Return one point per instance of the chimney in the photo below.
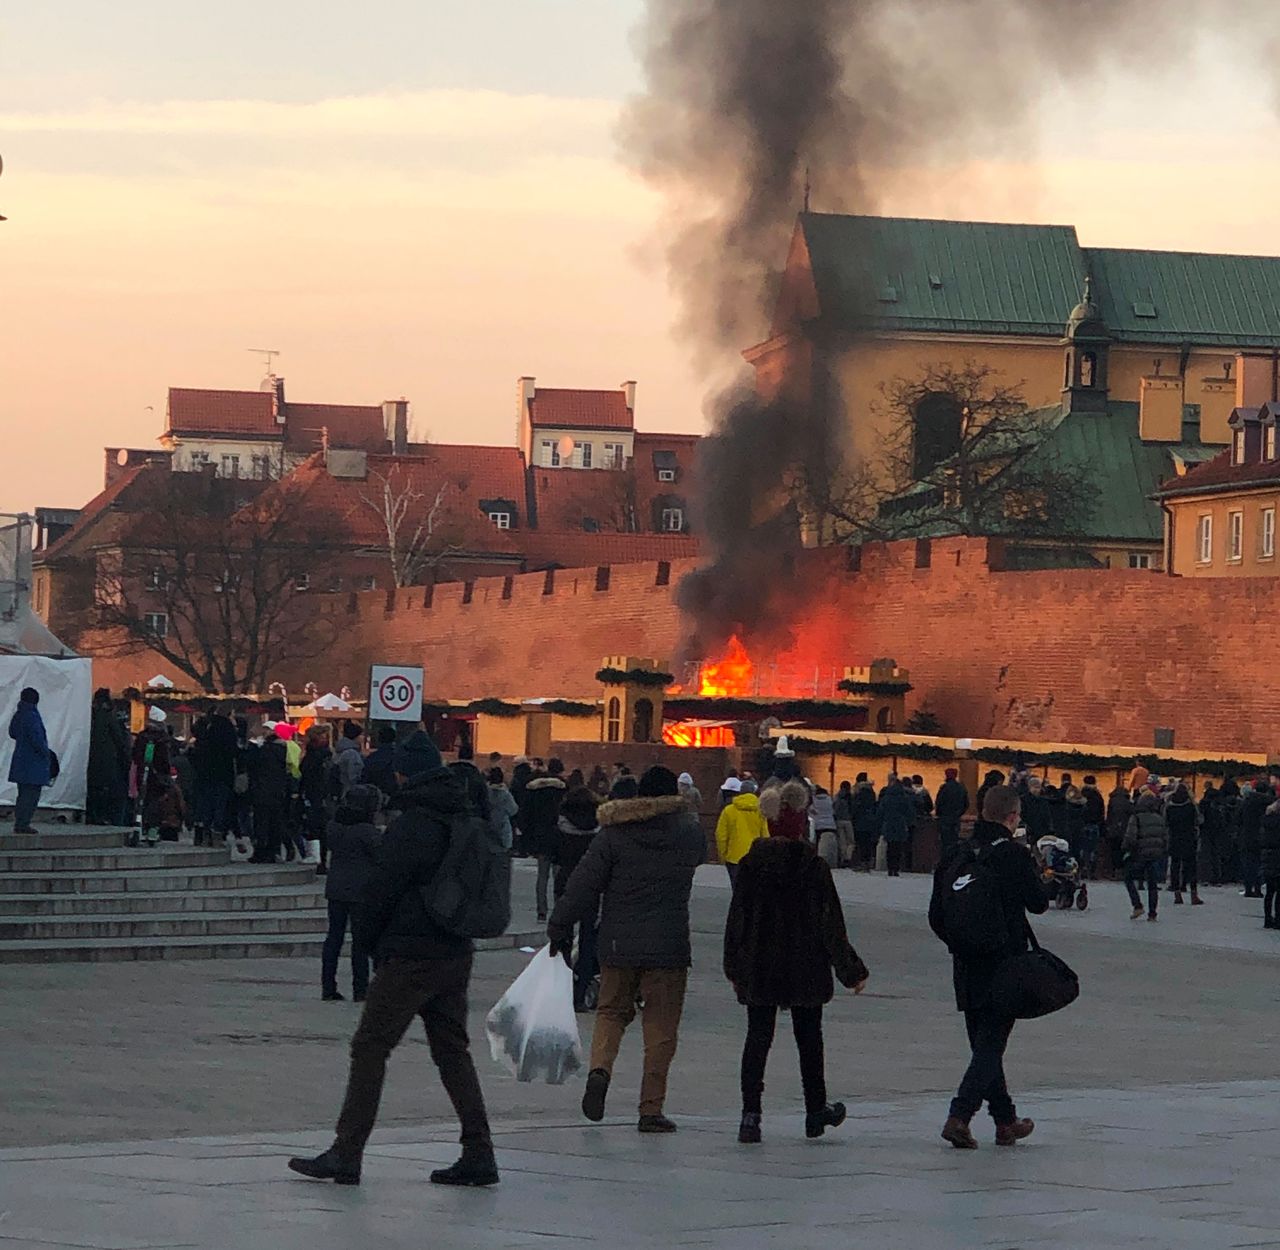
(1256, 379)
(395, 422)
(277, 402)
(526, 389)
(629, 390)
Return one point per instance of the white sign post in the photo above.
(395, 692)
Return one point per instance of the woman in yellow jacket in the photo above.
(740, 824)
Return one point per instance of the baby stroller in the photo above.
(1061, 874)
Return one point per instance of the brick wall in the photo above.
(1072, 656)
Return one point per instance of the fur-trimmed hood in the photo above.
(544, 783)
(639, 811)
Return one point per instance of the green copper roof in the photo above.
(894, 273)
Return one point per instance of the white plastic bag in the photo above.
(533, 1031)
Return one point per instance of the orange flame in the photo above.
(732, 675)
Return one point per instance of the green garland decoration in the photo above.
(884, 688)
(567, 707)
(633, 677)
(1079, 761)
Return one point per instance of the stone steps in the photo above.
(165, 924)
(122, 860)
(223, 877)
(257, 899)
(77, 840)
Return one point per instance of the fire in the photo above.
(730, 676)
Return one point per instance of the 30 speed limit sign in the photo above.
(395, 692)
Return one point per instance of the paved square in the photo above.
(153, 1106)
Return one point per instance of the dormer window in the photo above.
(501, 520)
(1269, 443)
(1237, 447)
(665, 466)
(673, 520)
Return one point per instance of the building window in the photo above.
(613, 720)
(938, 430)
(666, 475)
(1139, 560)
(230, 465)
(155, 579)
(582, 455)
(262, 467)
(673, 520)
(368, 582)
(1237, 447)
(1204, 539)
(39, 593)
(501, 520)
(335, 583)
(550, 454)
(302, 581)
(198, 459)
(1268, 543)
(222, 583)
(156, 624)
(1235, 532)
(614, 456)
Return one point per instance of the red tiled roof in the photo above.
(567, 497)
(1220, 472)
(356, 427)
(198, 411)
(580, 410)
(579, 550)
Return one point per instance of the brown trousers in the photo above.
(436, 991)
(662, 991)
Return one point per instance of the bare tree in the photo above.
(217, 590)
(961, 454)
(415, 522)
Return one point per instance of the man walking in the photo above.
(422, 970)
(31, 768)
(951, 805)
(1015, 889)
(214, 759)
(641, 866)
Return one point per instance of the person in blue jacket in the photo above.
(31, 767)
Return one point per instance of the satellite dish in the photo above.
(122, 457)
(566, 447)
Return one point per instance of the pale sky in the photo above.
(431, 204)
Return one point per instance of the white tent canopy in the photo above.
(66, 689)
(326, 705)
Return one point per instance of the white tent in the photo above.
(66, 690)
(326, 705)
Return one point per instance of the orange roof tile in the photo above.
(356, 427)
(580, 410)
(198, 411)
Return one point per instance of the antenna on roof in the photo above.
(269, 354)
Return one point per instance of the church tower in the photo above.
(1087, 344)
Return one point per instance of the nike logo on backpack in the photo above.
(960, 882)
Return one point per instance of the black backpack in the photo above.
(969, 917)
(470, 895)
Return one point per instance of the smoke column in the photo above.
(745, 96)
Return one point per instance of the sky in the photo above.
(405, 201)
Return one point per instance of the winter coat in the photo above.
(924, 804)
(156, 774)
(1252, 810)
(823, 812)
(575, 841)
(353, 855)
(896, 812)
(540, 815)
(349, 761)
(392, 915)
(786, 932)
(108, 750)
(165, 809)
(1037, 816)
(1213, 816)
(214, 753)
(1182, 821)
(842, 805)
(1057, 803)
(1095, 809)
(866, 813)
(268, 774)
(316, 773)
(1119, 809)
(1017, 880)
(379, 769)
(952, 803)
(739, 827)
(1270, 839)
(640, 866)
(502, 807)
(692, 796)
(1146, 838)
(30, 765)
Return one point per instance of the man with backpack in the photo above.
(981, 894)
(439, 880)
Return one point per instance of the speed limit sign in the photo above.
(395, 692)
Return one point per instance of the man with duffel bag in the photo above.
(982, 892)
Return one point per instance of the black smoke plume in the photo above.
(746, 100)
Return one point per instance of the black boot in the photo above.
(596, 1092)
(749, 1129)
(476, 1167)
(831, 1116)
(329, 1166)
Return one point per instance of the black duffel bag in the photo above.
(1033, 984)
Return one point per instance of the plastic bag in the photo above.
(532, 1030)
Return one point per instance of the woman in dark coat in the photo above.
(866, 822)
(1183, 819)
(784, 937)
(1271, 866)
(108, 763)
